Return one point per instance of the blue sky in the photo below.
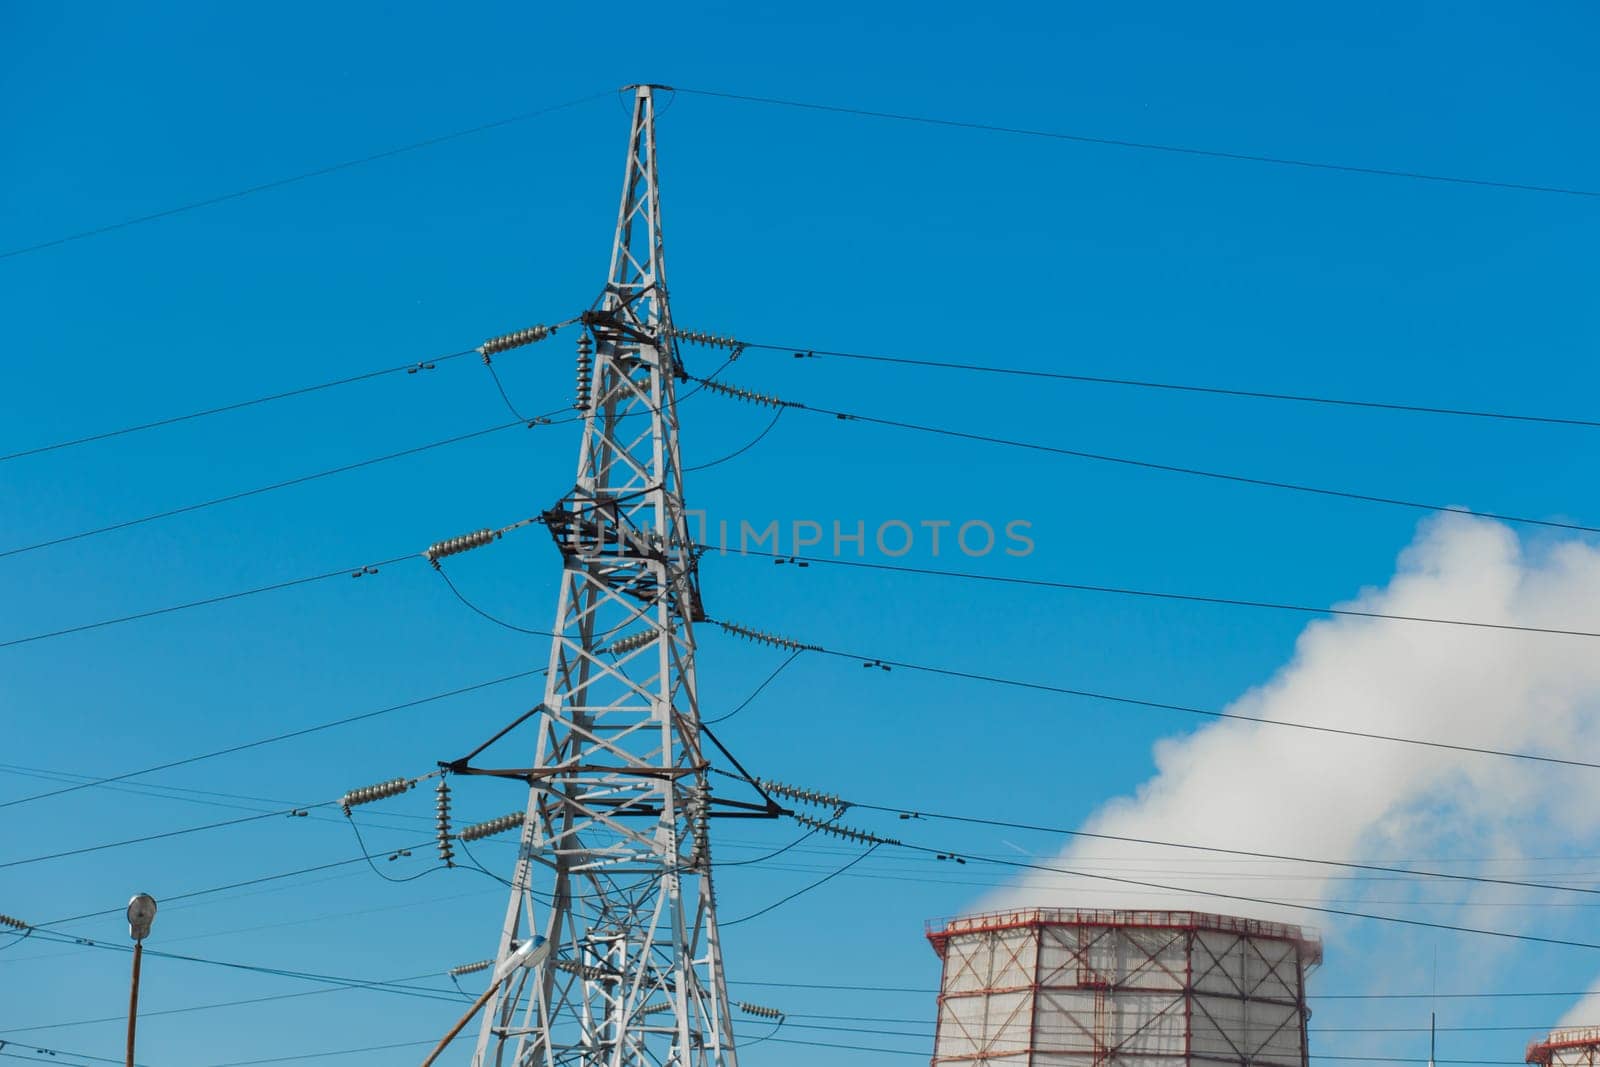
(785, 226)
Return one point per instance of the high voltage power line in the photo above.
(555, 417)
(271, 739)
(617, 344)
(26, 1054)
(252, 968)
(359, 570)
(947, 853)
(919, 814)
(1410, 874)
(1217, 894)
(494, 346)
(919, 876)
(258, 490)
(820, 650)
(194, 894)
(1166, 468)
(1195, 598)
(402, 986)
(549, 418)
(51, 1054)
(279, 183)
(944, 853)
(930, 669)
(190, 1009)
(1158, 705)
(803, 352)
(1146, 146)
(1508, 994)
(1166, 595)
(924, 120)
(951, 672)
(833, 987)
(240, 405)
(433, 554)
(205, 797)
(160, 836)
(1201, 891)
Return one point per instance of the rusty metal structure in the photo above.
(1571, 1047)
(1084, 988)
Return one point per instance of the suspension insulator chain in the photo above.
(442, 822)
(14, 923)
(587, 971)
(585, 371)
(372, 793)
(749, 396)
(697, 813)
(804, 796)
(478, 831)
(470, 968)
(516, 339)
(845, 833)
(456, 545)
(631, 642)
(760, 1010)
(711, 340)
(762, 638)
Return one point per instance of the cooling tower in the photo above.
(1061, 988)
(1578, 1047)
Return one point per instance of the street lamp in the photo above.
(530, 953)
(141, 913)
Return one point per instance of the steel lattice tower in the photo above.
(614, 869)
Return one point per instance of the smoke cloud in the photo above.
(1271, 789)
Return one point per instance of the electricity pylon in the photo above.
(614, 869)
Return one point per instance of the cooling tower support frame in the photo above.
(1064, 988)
(1572, 1047)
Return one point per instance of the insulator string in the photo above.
(442, 822)
(761, 637)
(804, 796)
(372, 793)
(515, 339)
(490, 827)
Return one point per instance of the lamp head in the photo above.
(141, 913)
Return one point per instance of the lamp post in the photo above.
(532, 953)
(141, 913)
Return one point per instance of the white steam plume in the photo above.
(1273, 789)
